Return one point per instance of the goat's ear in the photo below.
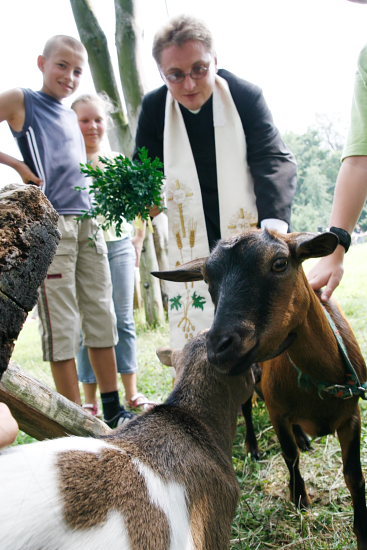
(311, 245)
(190, 271)
(165, 356)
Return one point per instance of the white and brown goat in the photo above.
(265, 311)
(164, 482)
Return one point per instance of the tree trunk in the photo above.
(128, 54)
(28, 241)
(150, 288)
(160, 237)
(95, 42)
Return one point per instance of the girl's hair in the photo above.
(101, 98)
(180, 30)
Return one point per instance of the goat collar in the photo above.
(353, 386)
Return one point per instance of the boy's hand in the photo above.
(8, 426)
(27, 175)
(154, 211)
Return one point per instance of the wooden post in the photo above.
(43, 413)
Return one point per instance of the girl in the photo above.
(123, 255)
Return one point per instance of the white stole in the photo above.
(190, 306)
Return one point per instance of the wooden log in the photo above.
(28, 241)
(43, 413)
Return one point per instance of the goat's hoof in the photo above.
(305, 445)
(302, 503)
(302, 439)
(255, 455)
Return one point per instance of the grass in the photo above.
(265, 518)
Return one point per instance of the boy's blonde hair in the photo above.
(180, 30)
(58, 39)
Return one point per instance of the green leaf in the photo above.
(124, 188)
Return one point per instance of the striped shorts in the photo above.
(77, 293)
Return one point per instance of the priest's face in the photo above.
(189, 73)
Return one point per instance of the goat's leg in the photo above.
(350, 439)
(297, 488)
(302, 439)
(251, 441)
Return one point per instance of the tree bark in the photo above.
(127, 45)
(28, 241)
(160, 237)
(150, 288)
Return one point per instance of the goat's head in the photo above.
(194, 353)
(259, 290)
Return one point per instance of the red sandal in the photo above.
(93, 409)
(139, 401)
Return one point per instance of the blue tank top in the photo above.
(52, 146)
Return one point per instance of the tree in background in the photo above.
(318, 153)
(121, 134)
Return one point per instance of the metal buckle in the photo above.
(338, 387)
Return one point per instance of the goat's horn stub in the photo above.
(177, 276)
(190, 271)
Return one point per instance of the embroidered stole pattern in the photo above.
(190, 306)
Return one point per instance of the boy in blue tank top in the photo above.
(78, 284)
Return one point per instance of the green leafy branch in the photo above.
(123, 189)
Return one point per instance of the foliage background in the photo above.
(318, 154)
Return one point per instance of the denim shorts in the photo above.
(121, 257)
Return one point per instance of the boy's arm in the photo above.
(12, 111)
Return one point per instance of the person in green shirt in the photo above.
(351, 186)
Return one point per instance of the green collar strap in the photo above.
(352, 387)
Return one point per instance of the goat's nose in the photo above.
(221, 346)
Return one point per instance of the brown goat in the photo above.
(265, 311)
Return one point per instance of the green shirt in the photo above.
(356, 143)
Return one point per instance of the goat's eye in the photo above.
(280, 264)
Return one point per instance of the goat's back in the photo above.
(74, 492)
